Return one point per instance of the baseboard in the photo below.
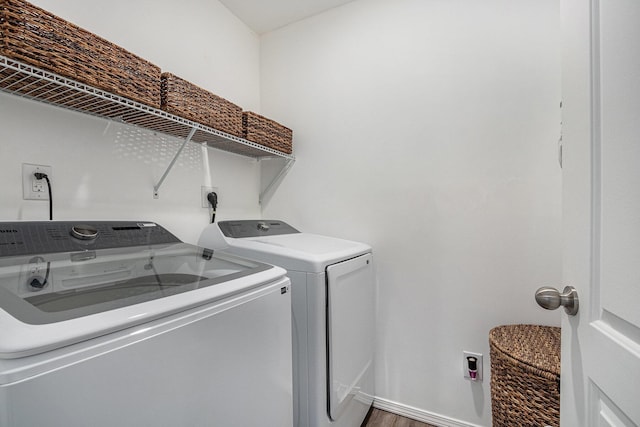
(419, 414)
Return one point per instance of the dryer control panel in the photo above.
(255, 228)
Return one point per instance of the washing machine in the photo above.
(122, 324)
(333, 314)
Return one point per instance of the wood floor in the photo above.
(379, 418)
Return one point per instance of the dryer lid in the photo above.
(294, 251)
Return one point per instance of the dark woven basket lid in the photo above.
(533, 345)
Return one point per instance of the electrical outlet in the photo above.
(469, 361)
(204, 191)
(33, 188)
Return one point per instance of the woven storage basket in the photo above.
(187, 100)
(32, 35)
(525, 375)
(267, 132)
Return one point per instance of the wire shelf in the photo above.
(34, 83)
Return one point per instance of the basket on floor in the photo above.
(194, 103)
(525, 376)
(34, 36)
(267, 132)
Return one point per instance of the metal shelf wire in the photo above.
(34, 83)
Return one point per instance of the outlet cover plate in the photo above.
(465, 366)
(204, 191)
(32, 188)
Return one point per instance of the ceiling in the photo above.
(265, 15)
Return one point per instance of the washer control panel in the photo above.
(39, 237)
(255, 228)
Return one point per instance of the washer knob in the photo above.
(263, 226)
(84, 232)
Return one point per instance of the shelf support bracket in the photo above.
(164, 175)
(283, 172)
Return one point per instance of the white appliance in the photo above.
(121, 324)
(332, 284)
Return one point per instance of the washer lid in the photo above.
(55, 297)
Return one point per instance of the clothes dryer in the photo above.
(332, 283)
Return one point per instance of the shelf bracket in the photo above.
(281, 173)
(164, 175)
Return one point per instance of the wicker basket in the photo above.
(525, 375)
(187, 100)
(32, 35)
(267, 132)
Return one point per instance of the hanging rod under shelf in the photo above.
(34, 83)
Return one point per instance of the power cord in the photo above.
(213, 200)
(40, 175)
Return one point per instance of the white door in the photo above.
(601, 213)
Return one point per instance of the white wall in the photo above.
(428, 129)
(108, 172)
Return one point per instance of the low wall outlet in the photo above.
(472, 366)
(204, 191)
(32, 188)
